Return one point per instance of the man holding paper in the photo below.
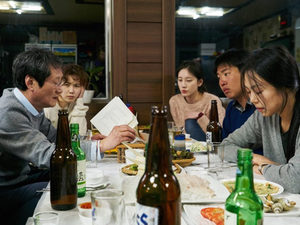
(27, 136)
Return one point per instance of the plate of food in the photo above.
(133, 169)
(206, 215)
(183, 158)
(201, 189)
(262, 187)
(281, 205)
(199, 146)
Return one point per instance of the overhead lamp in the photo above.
(26, 7)
(202, 12)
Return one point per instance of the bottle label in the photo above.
(209, 137)
(230, 218)
(146, 215)
(74, 137)
(81, 174)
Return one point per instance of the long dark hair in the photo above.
(194, 68)
(278, 67)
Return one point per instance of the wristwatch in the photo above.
(261, 167)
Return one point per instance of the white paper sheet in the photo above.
(115, 113)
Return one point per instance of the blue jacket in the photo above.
(235, 118)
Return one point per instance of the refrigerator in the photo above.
(67, 52)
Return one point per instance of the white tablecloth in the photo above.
(111, 170)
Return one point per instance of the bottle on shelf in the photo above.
(158, 192)
(81, 160)
(214, 128)
(63, 168)
(243, 206)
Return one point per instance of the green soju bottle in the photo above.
(243, 206)
(81, 161)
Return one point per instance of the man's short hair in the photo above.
(36, 63)
(75, 70)
(232, 57)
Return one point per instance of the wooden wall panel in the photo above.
(144, 42)
(168, 49)
(143, 56)
(144, 111)
(144, 10)
(119, 50)
(144, 82)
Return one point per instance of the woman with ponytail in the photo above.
(271, 80)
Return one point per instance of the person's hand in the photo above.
(116, 136)
(82, 89)
(255, 169)
(98, 137)
(260, 159)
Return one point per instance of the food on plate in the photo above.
(134, 169)
(276, 205)
(198, 147)
(194, 187)
(260, 188)
(214, 214)
(182, 154)
(86, 205)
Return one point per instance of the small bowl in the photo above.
(85, 212)
(184, 162)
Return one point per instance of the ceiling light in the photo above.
(202, 12)
(32, 7)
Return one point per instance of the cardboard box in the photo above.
(43, 35)
(69, 37)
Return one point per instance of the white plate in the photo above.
(191, 196)
(293, 212)
(193, 215)
(130, 184)
(280, 188)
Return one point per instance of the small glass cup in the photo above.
(108, 207)
(215, 156)
(46, 218)
(173, 131)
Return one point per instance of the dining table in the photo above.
(111, 172)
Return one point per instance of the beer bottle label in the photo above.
(146, 215)
(230, 218)
(81, 175)
(209, 137)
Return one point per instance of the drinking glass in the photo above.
(215, 156)
(108, 207)
(46, 218)
(173, 131)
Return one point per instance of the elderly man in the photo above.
(27, 136)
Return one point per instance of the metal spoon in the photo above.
(99, 187)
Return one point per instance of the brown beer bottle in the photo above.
(63, 168)
(158, 192)
(214, 129)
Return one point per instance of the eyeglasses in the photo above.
(55, 83)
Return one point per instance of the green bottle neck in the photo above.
(75, 142)
(244, 176)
